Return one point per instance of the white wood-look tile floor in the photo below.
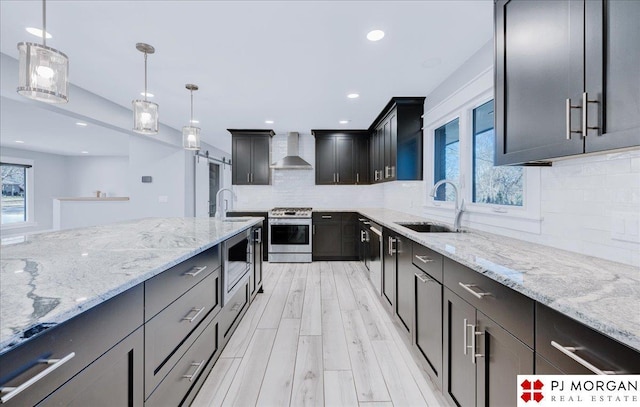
(318, 336)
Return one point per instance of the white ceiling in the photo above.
(290, 61)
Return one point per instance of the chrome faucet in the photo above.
(222, 213)
(459, 205)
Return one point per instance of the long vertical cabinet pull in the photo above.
(569, 106)
(585, 115)
(464, 335)
(248, 178)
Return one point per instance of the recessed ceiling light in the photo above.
(269, 121)
(84, 152)
(194, 121)
(149, 94)
(375, 35)
(37, 32)
(353, 95)
(344, 121)
(19, 141)
(81, 124)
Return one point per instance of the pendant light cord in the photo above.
(191, 121)
(44, 23)
(145, 76)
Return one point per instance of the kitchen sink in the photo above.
(425, 227)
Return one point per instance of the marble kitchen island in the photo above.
(51, 278)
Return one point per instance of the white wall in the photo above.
(49, 173)
(85, 175)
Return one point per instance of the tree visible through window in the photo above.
(493, 185)
(14, 193)
(447, 158)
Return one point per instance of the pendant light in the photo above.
(145, 113)
(191, 134)
(43, 71)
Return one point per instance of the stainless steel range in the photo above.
(290, 235)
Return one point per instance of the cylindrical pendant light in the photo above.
(191, 134)
(145, 113)
(43, 71)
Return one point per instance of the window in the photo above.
(492, 185)
(16, 193)
(447, 158)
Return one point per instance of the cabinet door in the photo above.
(114, 379)
(327, 243)
(260, 161)
(459, 371)
(257, 260)
(393, 146)
(612, 61)
(345, 160)
(428, 322)
(404, 282)
(386, 152)
(325, 160)
(241, 156)
(501, 358)
(350, 236)
(362, 160)
(389, 267)
(539, 65)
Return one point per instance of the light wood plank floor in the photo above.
(318, 336)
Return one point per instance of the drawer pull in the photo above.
(376, 231)
(424, 259)
(236, 306)
(195, 271)
(570, 351)
(475, 293)
(197, 314)
(326, 216)
(195, 373)
(14, 391)
(423, 279)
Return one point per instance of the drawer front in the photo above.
(232, 311)
(428, 261)
(77, 343)
(167, 331)
(326, 216)
(189, 369)
(512, 310)
(574, 342)
(167, 286)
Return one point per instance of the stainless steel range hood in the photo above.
(292, 161)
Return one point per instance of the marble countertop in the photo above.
(49, 278)
(601, 294)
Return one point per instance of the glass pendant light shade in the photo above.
(43, 71)
(145, 117)
(191, 138)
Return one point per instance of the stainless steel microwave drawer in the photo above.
(166, 287)
(510, 309)
(168, 330)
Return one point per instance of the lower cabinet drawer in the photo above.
(232, 311)
(115, 379)
(428, 261)
(567, 344)
(75, 344)
(167, 331)
(512, 310)
(191, 366)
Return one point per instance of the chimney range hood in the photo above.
(292, 161)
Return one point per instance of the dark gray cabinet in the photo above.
(341, 157)
(396, 141)
(565, 87)
(250, 156)
(256, 273)
(389, 269)
(405, 275)
(335, 236)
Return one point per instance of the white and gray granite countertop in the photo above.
(49, 278)
(601, 294)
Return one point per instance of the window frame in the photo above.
(29, 190)
(524, 218)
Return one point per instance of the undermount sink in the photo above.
(425, 227)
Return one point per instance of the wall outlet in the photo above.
(163, 199)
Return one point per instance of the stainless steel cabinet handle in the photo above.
(464, 333)
(363, 236)
(585, 113)
(474, 334)
(197, 314)
(334, 177)
(258, 235)
(14, 391)
(326, 216)
(475, 293)
(248, 177)
(569, 106)
(376, 231)
(252, 178)
(367, 223)
(570, 351)
(195, 373)
(357, 177)
(387, 171)
(338, 177)
(392, 240)
(195, 271)
(423, 279)
(424, 259)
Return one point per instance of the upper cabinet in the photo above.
(341, 157)
(250, 156)
(565, 76)
(396, 141)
